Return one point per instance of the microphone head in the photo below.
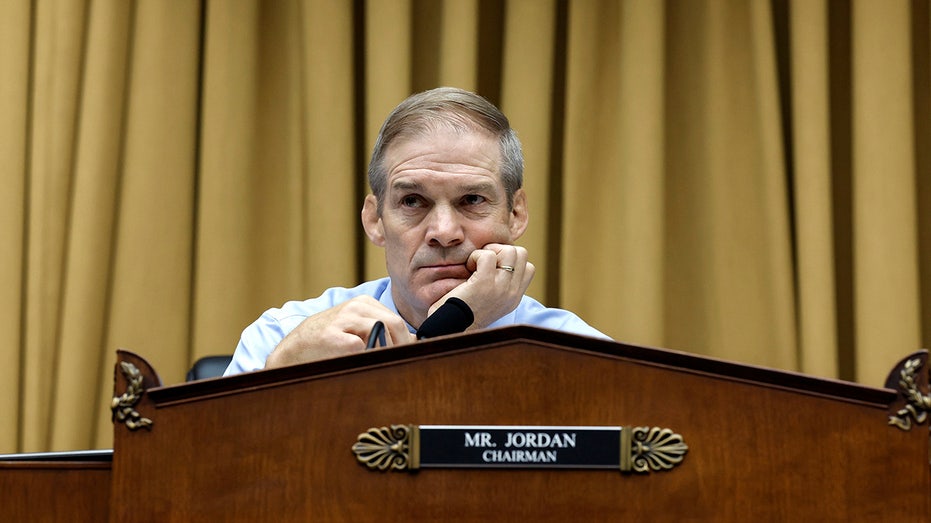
(452, 317)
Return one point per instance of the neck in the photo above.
(412, 316)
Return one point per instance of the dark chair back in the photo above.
(208, 367)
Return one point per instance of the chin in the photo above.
(436, 290)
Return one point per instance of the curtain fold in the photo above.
(743, 179)
(56, 69)
(528, 86)
(389, 33)
(149, 303)
(79, 366)
(613, 168)
(885, 248)
(15, 34)
(811, 181)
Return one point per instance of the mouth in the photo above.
(447, 270)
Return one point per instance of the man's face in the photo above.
(444, 199)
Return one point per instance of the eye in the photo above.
(473, 199)
(412, 201)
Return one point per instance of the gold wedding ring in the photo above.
(506, 268)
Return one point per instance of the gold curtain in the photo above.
(746, 179)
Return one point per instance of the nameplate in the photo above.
(626, 448)
(515, 446)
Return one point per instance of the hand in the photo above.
(491, 292)
(338, 331)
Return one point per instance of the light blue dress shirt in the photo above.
(259, 339)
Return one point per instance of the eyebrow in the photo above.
(407, 186)
(480, 187)
(419, 187)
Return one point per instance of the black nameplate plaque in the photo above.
(514, 446)
(411, 447)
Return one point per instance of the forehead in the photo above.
(443, 153)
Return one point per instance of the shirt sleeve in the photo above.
(253, 348)
(532, 312)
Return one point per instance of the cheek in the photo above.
(400, 248)
(494, 233)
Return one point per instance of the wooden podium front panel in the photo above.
(280, 451)
(54, 491)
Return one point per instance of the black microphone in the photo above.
(376, 336)
(453, 316)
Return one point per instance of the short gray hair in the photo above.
(462, 110)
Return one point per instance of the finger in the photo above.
(509, 263)
(397, 333)
(527, 277)
(487, 262)
(395, 329)
(504, 254)
(521, 260)
(482, 259)
(359, 316)
(496, 247)
(510, 260)
(508, 255)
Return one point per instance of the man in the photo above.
(447, 205)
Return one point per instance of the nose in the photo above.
(445, 227)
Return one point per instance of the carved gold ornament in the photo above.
(384, 448)
(645, 449)
(123, 406)
(917, 404)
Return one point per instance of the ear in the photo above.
(519, 217)
(371, 222)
